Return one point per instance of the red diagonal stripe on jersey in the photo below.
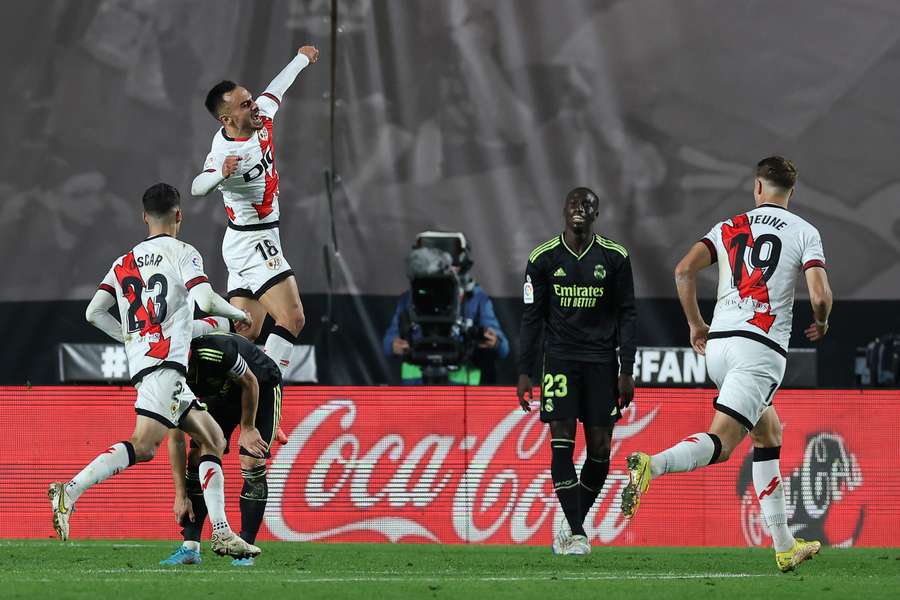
(267, 147)
(693, 439)
(145, 315)
(110, 450)
(207, 477)
(752, 283)
(770, 489)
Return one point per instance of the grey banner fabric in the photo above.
(457, 115)
(99, 363)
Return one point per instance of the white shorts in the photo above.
(254, 261)
(747, 374)
(164, 395)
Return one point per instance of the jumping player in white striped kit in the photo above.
(241, 164)
(760, 254)
(155, 286)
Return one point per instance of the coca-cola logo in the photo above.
(334, 477)
(813, 492)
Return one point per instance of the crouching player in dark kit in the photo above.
(579, 291)
(241, 386)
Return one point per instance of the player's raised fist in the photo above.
(230, 166)
(311, 52)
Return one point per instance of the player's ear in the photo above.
(146, 222)
(178, 215)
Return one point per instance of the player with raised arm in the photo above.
(579, 291)
(156, 285)
(241, 164)
(760, 254)
(240, 386)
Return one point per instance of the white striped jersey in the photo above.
(150, 284)
(760, 255)
(251, 193)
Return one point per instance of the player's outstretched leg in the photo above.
(694, 451)
(63, 496)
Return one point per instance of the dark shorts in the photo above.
(227, 413)
(585, 391)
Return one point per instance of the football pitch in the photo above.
(129, 569)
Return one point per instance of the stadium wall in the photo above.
(465, 465)
(352, 354)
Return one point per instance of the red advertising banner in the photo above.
(465, 465)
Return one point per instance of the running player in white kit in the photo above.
(760, 255)
(155, 286)
(241, 164)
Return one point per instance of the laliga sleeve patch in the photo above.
(528, 292)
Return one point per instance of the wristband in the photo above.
(822, 323)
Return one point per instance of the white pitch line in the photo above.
(442, 578)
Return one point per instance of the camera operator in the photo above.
(442, 257)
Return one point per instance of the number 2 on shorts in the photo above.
(560, 382)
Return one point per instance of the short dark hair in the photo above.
(778, 171)
(160, 199)
(581, 191)
(214, 99)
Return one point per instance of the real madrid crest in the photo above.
(599, 271)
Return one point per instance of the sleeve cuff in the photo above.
(813, 263)
(713, 255)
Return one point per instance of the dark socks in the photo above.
(565, 481)
(254, 495)
(593, 476)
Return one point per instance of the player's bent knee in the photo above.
(293, 322)
(724, 455)
(144, 452)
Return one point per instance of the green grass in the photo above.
(129, 569)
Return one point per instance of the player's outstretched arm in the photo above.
(211, 303)
(697, 258)
(821, 299)
(97, 314)
(306, 55)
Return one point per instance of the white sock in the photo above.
(212, 481)
(117, 458)
(195, 546)
(770, 493)
(279, 348)
(692, 452)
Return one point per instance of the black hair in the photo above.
(582, 191)
(160, 199)
(778, 171)
(214, 99)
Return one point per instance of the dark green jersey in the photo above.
(583, 303)
(217, 359)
